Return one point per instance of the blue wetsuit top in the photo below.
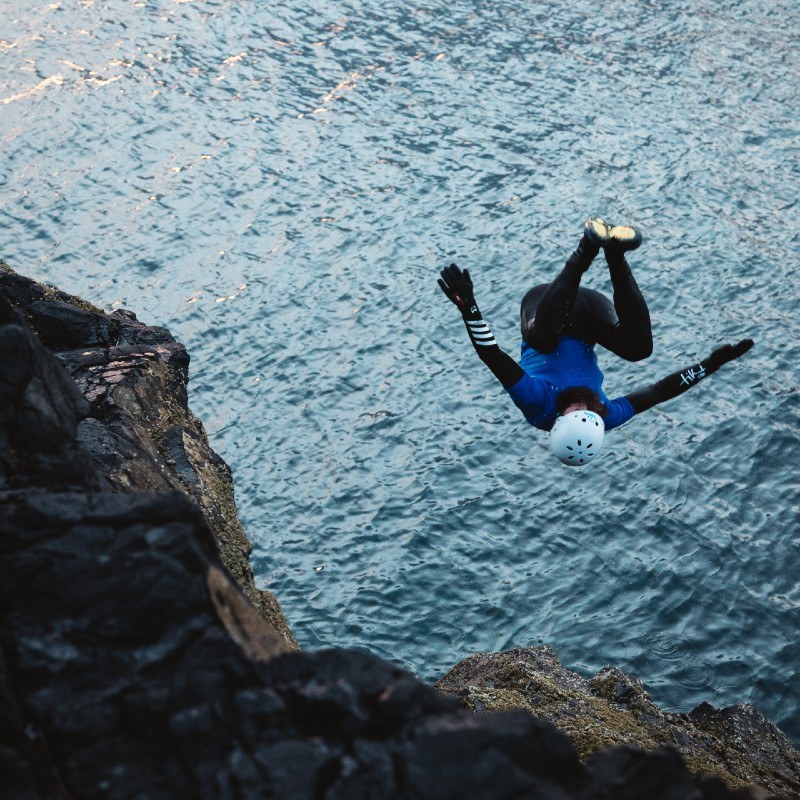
(572, 363)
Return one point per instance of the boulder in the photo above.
(132, 666)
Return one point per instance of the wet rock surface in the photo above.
(736, 743)
(135, 660)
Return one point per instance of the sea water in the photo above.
(280, 185)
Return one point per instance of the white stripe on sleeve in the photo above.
(480, 333)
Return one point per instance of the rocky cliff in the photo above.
(139, 660)
(134, 427)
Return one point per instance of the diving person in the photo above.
(557, 383)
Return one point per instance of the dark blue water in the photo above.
(279, 184)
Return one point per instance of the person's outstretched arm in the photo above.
(680, 382)
(457, 285)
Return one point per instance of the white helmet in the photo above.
(577, 437)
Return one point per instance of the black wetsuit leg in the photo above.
(629, 335)
(562, 308)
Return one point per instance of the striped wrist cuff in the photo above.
(480, 333)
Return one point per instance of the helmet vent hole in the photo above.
(569, 448)
(579, 443)
(588, 445)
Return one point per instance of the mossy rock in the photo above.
(737, 744)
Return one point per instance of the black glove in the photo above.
(457, 285)
(728, 352)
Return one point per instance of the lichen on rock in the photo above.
(737, 744)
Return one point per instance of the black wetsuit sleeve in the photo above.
(685, 379)
(673, 385)
(503, 367)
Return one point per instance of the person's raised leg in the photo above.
(543, 322)
(632, 337)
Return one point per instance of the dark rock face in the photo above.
(130, 407)
(132, 663)
(123, 641)
(40, 408)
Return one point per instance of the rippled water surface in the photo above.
(279, 184)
